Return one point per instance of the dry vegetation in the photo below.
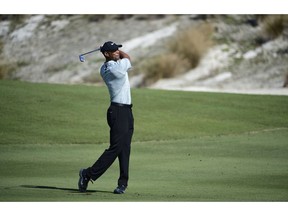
(192, 44)
(6, 69)
(164, 66)
(274, 25)
(185, 51)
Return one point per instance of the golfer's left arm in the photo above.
(124, 55)
(121, 67)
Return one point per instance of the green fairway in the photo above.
(186, 146)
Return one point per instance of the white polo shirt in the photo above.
(115, 75)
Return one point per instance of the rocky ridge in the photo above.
(45, 48)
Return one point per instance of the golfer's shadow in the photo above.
(72, 190)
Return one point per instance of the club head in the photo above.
(81, 58)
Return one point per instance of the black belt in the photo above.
(121, 105)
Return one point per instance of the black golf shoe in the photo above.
(120, 189)
(83, 181)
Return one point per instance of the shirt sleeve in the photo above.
(121, 67)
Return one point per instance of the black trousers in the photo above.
(121, 122)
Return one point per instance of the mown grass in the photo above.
(186, 147)
(229, 168)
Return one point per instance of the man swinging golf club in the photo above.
(114, 72)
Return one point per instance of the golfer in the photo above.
(120, 119)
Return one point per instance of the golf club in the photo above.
(81, 57)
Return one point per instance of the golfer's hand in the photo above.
(124, 55)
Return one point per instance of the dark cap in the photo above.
(109, 46)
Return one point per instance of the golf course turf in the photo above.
(187, 146)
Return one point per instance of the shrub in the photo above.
(164, 66)
(192, 44)
(274, 25)
(185, 51)
(15, 19)
(6, 69)
(1, 46)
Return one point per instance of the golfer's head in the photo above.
(110, 50)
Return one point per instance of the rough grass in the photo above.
(186, 147)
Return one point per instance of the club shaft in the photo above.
(90, 52)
